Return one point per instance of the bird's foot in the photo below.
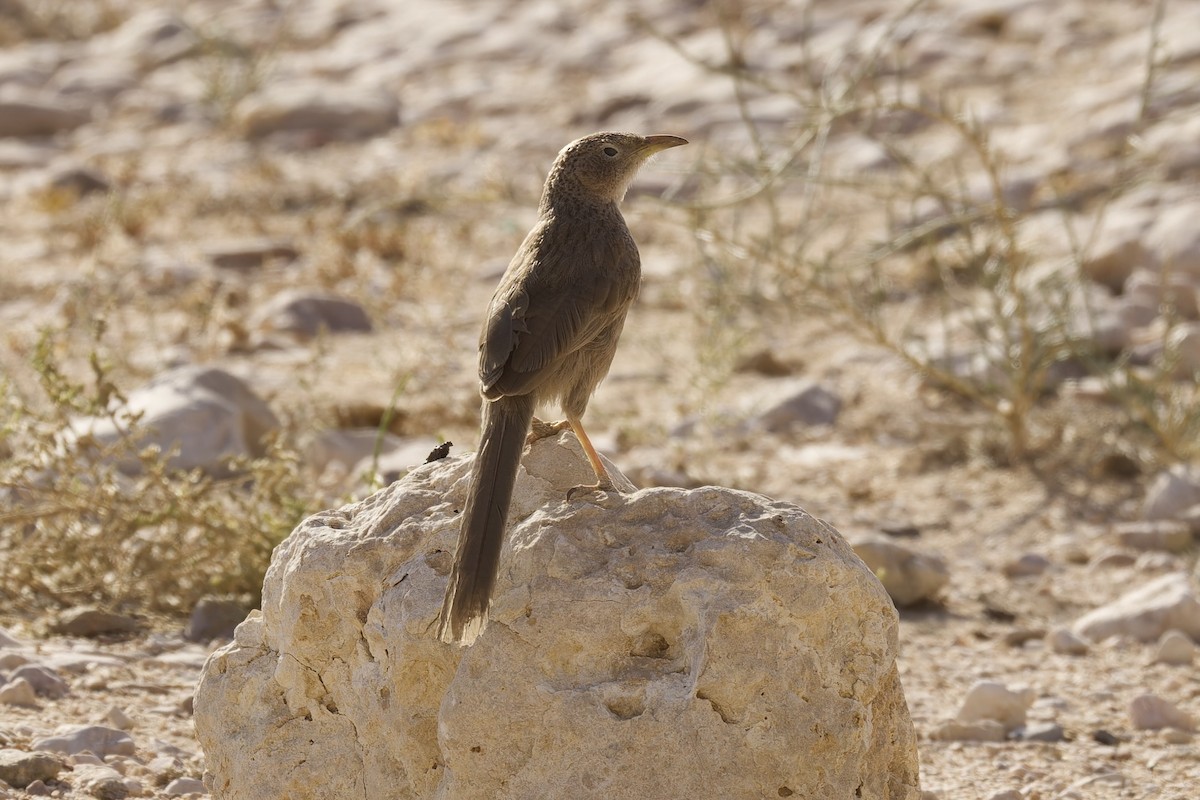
(605, 487)
(544, 430)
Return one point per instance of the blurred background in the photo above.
(929, 269)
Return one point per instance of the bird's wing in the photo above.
(551, 303)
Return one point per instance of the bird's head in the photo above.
(602, 165)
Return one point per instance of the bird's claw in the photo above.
(544, 430)
(605, 487)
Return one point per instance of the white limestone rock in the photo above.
(96, 739)
(1147, 612)
(209, 414)
(19, 768)
(1149, 712)
(18, 692)
(666, 643)
(991, 700)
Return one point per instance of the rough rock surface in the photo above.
(662, 644)
(21, 769)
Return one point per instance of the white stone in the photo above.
(991, 700)
(1147, 612)
(208, 413)
(8, 641)
(699, 643)
(909, 575)
(18, 692)
(19, 769)
(1174, 237)
(1172, 492)
(1151, 712)
(97, 739)
(117, 718)
(100, 781)
(184, 786)
(1176, 648)
(44, 680)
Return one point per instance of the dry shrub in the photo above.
(75, 528)
(922, 255)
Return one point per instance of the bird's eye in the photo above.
(611, 152)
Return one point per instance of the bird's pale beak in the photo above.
(662, 141)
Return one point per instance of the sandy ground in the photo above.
(399, 153)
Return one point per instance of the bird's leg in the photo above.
(544, 430)
(603, 481)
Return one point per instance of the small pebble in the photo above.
(95, 739)
(93, 622)
(1018, 637)
(1027, 564)
(18, 768)
(1067, 642)
(182, 786)
(1104, 737)
(117, 717)
(45, 681)
(1045, 732)
(1175, 648)
(798, 402)
(100, 781)
(1151, 712)
(990, 700)
(18, 692)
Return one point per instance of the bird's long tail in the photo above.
(506, 422)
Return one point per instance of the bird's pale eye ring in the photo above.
(610, 151)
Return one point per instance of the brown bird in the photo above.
(550, 335)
